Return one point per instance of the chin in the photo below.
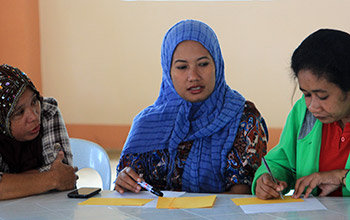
(327, 120)
(196, 99)
(32, 137)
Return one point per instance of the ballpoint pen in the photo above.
(273, 178)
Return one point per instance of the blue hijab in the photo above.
(212, 124)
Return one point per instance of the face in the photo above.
(25, 119)
(325, 100)
(193, 71)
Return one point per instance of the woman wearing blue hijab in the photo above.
(199, 135)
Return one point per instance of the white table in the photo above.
(57, 206)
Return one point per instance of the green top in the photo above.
(297, 153)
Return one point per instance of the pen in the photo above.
(150, 188)
(273, 178)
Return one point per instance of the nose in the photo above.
(193, 74)
(32, 114)
(314, 106)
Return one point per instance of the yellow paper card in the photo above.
(186, 202)
(164, 202)
(256, 201)
(115, 201)
(193, 202)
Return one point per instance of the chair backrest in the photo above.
(87, 154)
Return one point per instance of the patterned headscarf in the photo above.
(211, 124)
(13, 82)
(19, 156)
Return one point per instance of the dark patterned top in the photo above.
(242, 161)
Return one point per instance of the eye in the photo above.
(17, 114)
(323, 98)
(181, 67)
(204, 64)
(35, 100)
(306, 94)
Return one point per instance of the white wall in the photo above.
(101, 58)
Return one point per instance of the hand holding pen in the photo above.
(129, 180)
(267, 187)
(273, 178)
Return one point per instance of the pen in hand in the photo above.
(273, 178)
(150, 188)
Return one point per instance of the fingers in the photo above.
(307, 182)
(282, 185)
(118, 188)
(301, 185)
(267, 189)
(263, 193)
(299, 189)
(58, 161)
(60, 156)
(133, 174)
(65, 177)
(126, 180)
(327, 181)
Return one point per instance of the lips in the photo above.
(195, 89)
(36, 129)
(319, 116)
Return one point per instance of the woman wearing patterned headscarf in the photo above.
(199, 135)
(35, 154)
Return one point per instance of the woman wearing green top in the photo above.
(313, 153)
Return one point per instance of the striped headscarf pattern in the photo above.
(212, 124)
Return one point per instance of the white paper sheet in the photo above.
(144, 195)
(310, 203)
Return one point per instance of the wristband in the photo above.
(344, 177)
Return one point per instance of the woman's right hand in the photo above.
(267, 189)
(127, 180)
(64, 174)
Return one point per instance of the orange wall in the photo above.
(20, 37)
(274, 137)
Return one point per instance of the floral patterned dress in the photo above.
(242, 161)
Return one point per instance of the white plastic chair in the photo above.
(87, 154)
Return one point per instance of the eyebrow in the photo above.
(315, 90)
(184, 61)
(17, 108)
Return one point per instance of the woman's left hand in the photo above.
(327, 181)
